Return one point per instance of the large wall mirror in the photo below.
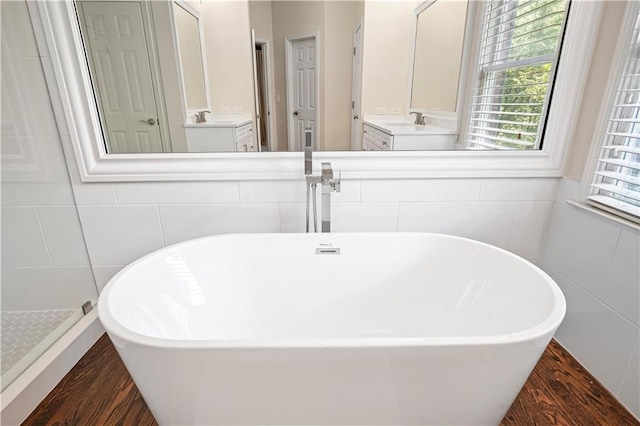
(363, 75)
(359, 54)
(350, 70)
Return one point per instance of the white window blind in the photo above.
(616, 183)
(519, 51)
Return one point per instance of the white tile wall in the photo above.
(176, 192)
(413, 190)
(590, 322)
(31, 116)
(484, 221)
(46, 288)
(596, 263)
(521, 189)
(492, 210)
(23, 243)
(272, 191)
(117, 235)
(630, 389)
(62, 232)
(103, 274)
(16, 34)
(95, 194)
(360, 217)
(183, 222)
(293, 217)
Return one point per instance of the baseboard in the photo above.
(22, 396)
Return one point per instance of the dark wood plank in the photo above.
(99, 391)
(561, 392)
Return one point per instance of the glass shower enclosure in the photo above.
(46, 273)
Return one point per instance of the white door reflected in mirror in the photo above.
(119, 53)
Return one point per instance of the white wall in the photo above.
(44, 260)
(229, 55)
(595, 261)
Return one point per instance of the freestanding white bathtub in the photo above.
(330, 329)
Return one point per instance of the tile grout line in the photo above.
(44, 237)
(628, 368)
(164, 241)
(579, 287)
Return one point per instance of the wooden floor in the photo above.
(99, 391)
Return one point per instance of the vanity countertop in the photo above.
(405, 128)
(220, 123)
(222, 120)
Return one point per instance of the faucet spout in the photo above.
(200, 116)
(419, 117)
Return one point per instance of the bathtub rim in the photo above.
(544, 329)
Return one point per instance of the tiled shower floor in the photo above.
(24, 330)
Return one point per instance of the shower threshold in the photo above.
(28, 334)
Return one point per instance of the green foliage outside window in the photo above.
(531, 31)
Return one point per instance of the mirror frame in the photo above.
(467, 47)
(186, 111)
(60, 46)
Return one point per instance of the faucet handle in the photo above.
(336, 182)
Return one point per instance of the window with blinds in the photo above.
(519, 51)
(616, 183)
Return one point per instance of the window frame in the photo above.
(482, 72)
(632, 12)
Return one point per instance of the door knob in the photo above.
(150, 121)
(295, 113)
(355, 117)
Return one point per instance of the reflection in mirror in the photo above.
(310, 50)
(343, 68)
(191, 56)
(438, 55)
(520, 50)
(120, 47)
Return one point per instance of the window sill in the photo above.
(605, 214)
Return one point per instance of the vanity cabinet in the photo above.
(220, 137)
(404, 136)
(244, 138)
(376, 140)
